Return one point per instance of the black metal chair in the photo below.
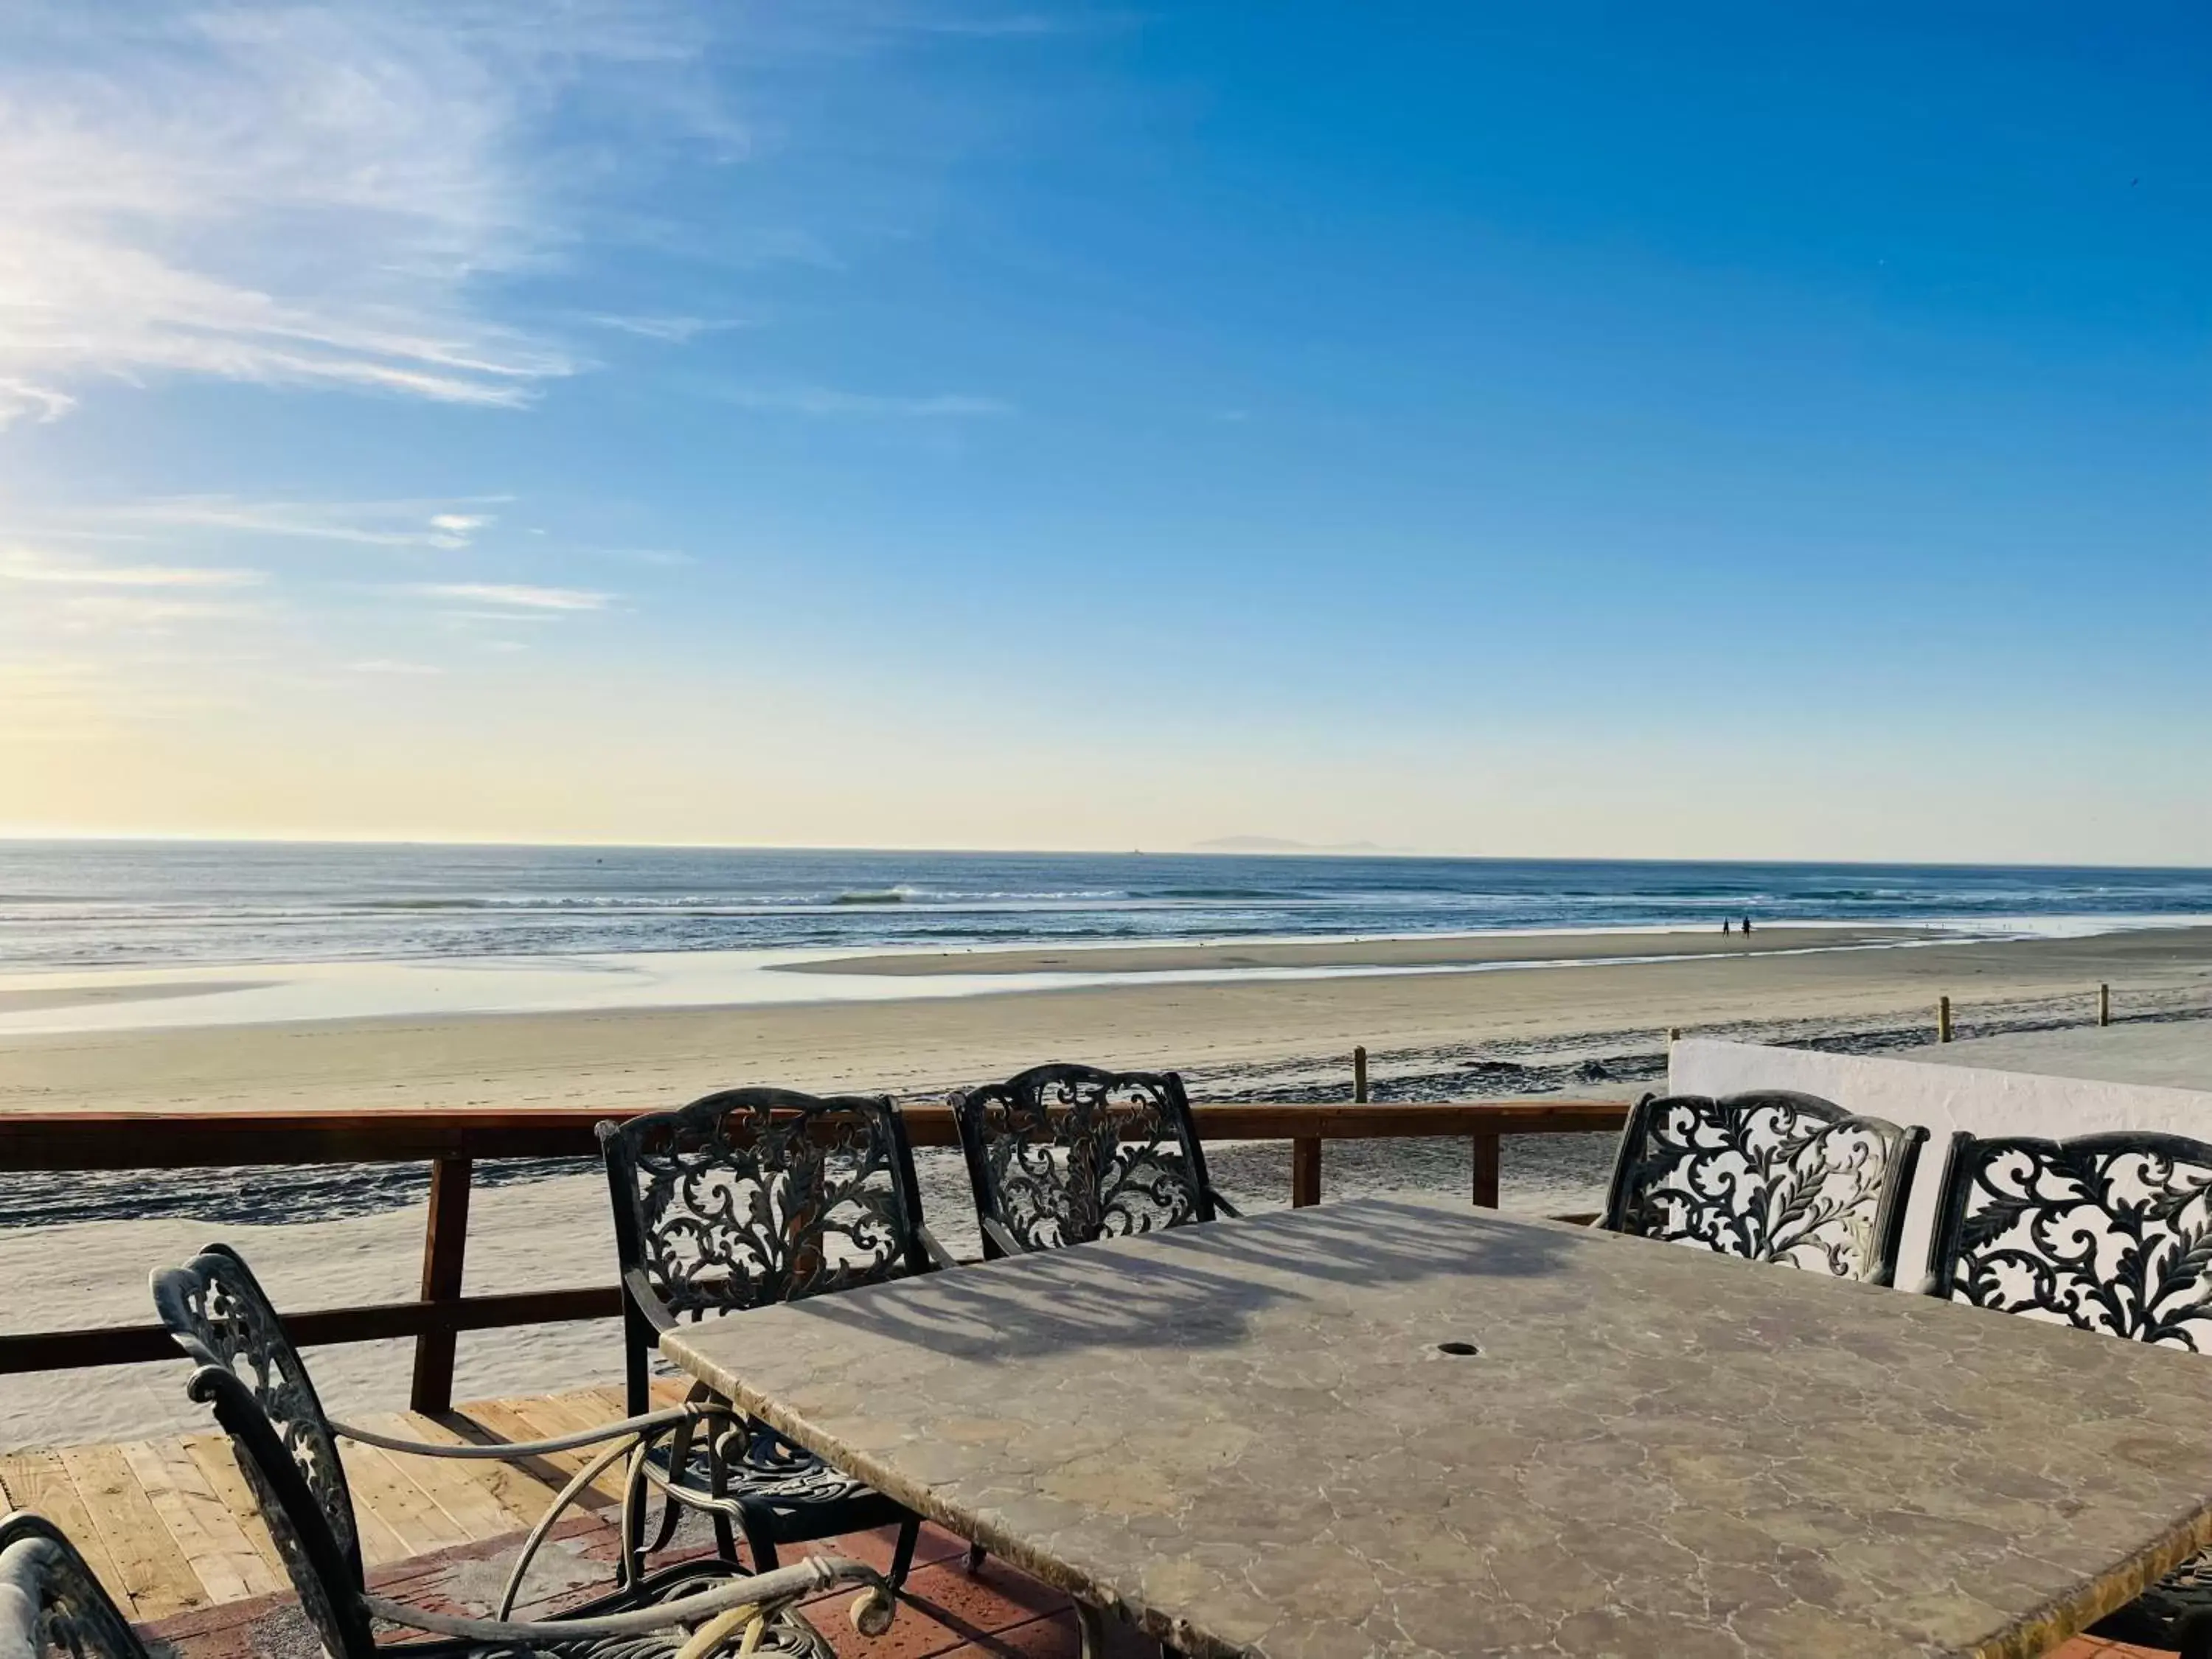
(287, 1448)
(52, 1606)
(2111, 1233)
(1067, 1154)
(1770, 1176)
(741, 1199)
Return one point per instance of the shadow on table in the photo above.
(1194, 1286)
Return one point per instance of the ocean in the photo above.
(110, 904)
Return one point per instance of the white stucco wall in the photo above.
(1945, 1098)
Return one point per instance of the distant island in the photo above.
(1280, 844)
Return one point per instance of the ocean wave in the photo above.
(107, 904)
(1291, 896)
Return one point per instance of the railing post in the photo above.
(1487, 1149)
(1943, 1020)
(2103, 1005)
(1305, 1171)
(445, 1253)
(1305, 1150)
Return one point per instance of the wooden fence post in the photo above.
(1305, 1171)
(2103, 1005)
(1487, 1150)
(1359, 1076)
(445, 1254)
(1943, 1020)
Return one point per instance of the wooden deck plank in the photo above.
(574, 1412)
(155, 1575)
(504, 1420)
(522, 1490)
(382, 1488)
(460, 1488)
(38, 1481)
(379, 1543)
(544, 1417)
(211, 1453)
(206, 1533)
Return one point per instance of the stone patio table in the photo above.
(1390, 1426)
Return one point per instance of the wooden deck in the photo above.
(170, 1528)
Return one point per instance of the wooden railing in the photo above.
(450, 1141)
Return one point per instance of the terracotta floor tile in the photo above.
(994, 1597)
(874, 1547)
(1055, 1637)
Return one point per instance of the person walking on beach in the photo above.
(1746, 926)
(1727, 927)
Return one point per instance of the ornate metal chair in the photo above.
(1771, 1177)
(1067, 1154)
(51, 1606)
(742, 1199)
(2109, 1233)
(287, 1448)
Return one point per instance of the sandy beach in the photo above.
(1445, 951)
(1590, 1024)
(1235, 1033)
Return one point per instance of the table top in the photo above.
(1247, 1438)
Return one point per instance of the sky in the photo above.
(1714, 430)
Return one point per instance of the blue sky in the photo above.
(1727, 430)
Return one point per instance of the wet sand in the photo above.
(1447, 951)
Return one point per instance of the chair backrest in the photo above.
(1769, 1176)
(2105, 1232)
(253, 1375)
(1065, 1154)
(51, 1605)
(755, 1196)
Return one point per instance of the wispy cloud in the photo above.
(308, 195)
(514, 595)
(449, 526)
(144, 612)
(674, 331)
(827, 402)
(31, 565)
(394, 665)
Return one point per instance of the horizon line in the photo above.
(1196, 850)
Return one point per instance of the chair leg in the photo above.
(638, 1343)
(909, 1533)
(1092, 1629)
(760, 1543)
(975, 1554)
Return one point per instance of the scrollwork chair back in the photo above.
(51, 1605)
(251, 1375)
(2106, 1232)
(1067, 1154)
(218, 1314)
(2109, 1233)
(1770, 1176)
(755, 1196)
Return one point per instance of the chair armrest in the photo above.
(998, 1235)
(938, 1255)
(1222, 1206)
(512, 1450)
(647, 1300)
